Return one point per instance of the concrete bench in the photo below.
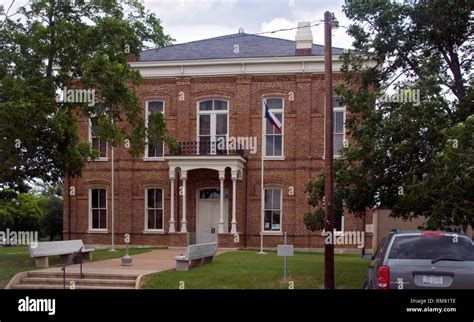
(65, 249)
(196, 255)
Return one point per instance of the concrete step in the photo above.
(86, 275)
(78, 281)
(79, 287)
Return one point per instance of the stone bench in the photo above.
(196, 255)
(65, 249)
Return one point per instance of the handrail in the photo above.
(63, 269)
(79, 253)
(206, 149)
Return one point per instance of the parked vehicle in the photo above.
(422, 260)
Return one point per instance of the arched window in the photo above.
(212, 126)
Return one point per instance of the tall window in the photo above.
(339, 125)
(98, 208)
(273, 137)
(96, 142)
(154, 209)
(154, 150)
(213, 127)
(272, 210)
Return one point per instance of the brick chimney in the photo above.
(304, 39)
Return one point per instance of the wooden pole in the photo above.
(329, 156)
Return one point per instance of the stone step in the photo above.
(78, 281)
(86, 275)
(79, 287)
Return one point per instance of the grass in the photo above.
(17, 259)
(247, 270)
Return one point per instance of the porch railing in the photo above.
(205, 148)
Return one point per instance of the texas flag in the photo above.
(272, 118)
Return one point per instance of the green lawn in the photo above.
(17, 259)
(247, 270)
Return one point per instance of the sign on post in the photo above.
(285, 251)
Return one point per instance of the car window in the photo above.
(382, 244)
(432, 247)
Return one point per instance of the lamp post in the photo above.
(329, 23)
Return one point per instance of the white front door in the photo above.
(208, 210)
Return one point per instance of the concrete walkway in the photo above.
(103, 274)
(145, 263)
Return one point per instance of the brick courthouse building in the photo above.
(211, 90)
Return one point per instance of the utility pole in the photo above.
(329, 154)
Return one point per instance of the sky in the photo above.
(190, 20)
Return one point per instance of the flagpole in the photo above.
(262, 197)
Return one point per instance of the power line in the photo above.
(312, 24)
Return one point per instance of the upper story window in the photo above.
(154, 150)
(274, 127)
(339, 119)
(98, 209)
(96, 142)
(212, 126)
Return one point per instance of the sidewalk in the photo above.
(146, 263)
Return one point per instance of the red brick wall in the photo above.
(303, 151)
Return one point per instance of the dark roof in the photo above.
(223, 47)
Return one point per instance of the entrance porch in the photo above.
(205, 206)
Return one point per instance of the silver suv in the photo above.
(422, 260)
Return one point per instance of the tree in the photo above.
(415, 157)
(51, 222)
(75, 45)
(21, 214)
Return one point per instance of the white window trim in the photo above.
(342, 108)
(98, 230)
(106, 158)
(212, 112)
(146, 229)
(146, 157)
(272, 232)
(264, 139)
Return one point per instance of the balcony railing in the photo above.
(205, 148)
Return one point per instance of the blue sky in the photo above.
(189, 20)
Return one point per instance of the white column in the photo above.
(221, 213)
(183, 221)
(233, 228)
(172, 222)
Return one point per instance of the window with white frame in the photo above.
(154, 150)
(96, 142)
(272, 210)
(339, 119)
(154, 209)
(212, 126)
(274, 137)
(98, 208)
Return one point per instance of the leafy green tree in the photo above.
(55, 44)
(415, 157)
(51, 222)
(21, 214)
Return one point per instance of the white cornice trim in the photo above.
(235, 66)
(228, 61)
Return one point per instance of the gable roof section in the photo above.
(250, 46)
